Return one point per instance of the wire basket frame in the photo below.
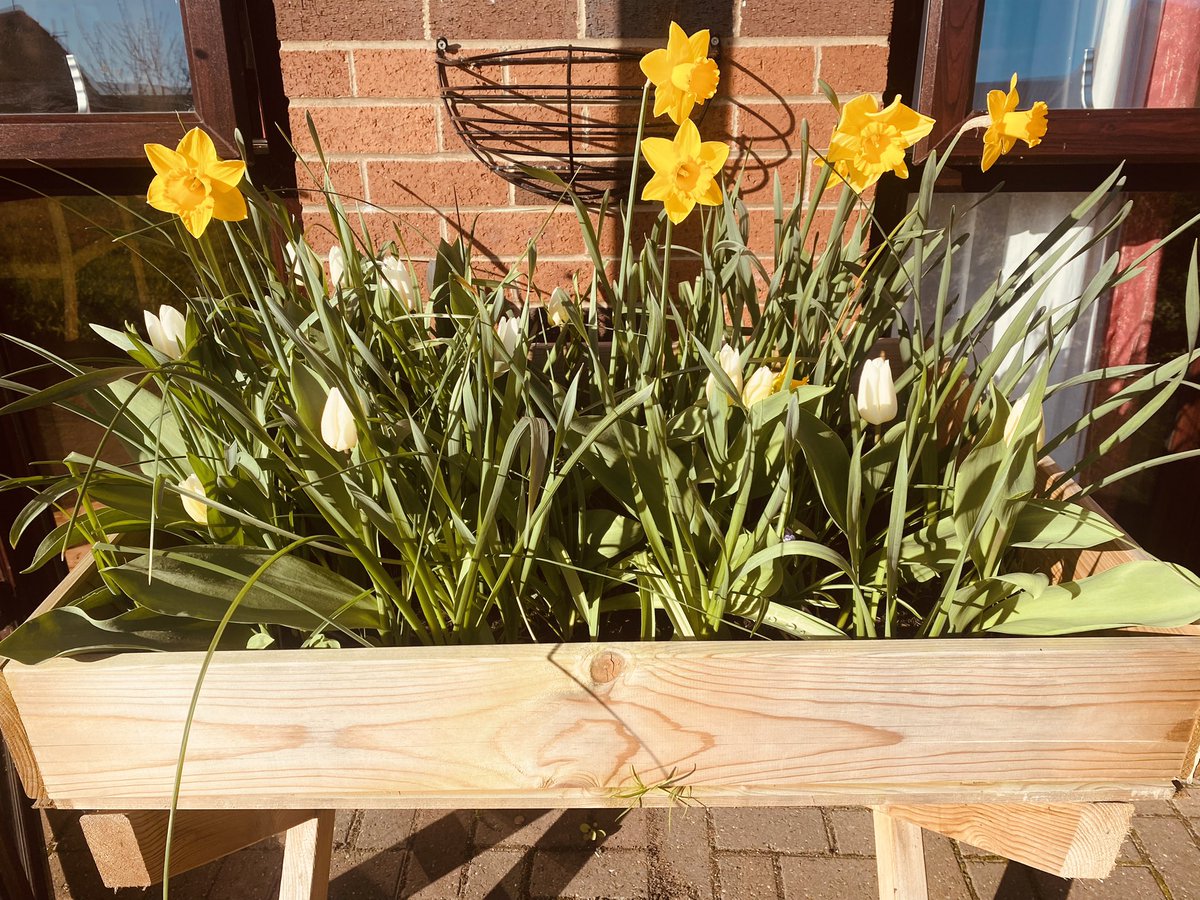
(571, 110)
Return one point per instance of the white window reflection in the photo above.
(64, 56)
(1074, 54)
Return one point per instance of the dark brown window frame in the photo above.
(1154, 143)
(103, 139)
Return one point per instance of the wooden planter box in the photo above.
(968, 721)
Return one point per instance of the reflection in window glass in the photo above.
(62, 56)
(1088, 54)
(61, 272)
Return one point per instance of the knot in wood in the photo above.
(606, 666)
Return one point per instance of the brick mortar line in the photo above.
(765, 98)
(449, 210)
(735, 156)
(874, 40)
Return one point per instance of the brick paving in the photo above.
(684, 854)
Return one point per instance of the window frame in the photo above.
(65, 140)
(1155, 143)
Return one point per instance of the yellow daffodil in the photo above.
(777, 384)
(1008, 124)
(682, 74)
(194, 184)
(685, 171)
(870, 141)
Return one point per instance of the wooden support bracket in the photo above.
(900, 858)
(306, 854)
(128, 847)
(1071, 840)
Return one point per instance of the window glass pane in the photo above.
(61, 272)
(62, 56)
(1091, 54)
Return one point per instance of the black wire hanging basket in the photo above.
(570, 110)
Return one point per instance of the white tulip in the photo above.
(295, 254)
(337, 266)
(556, 308)
(508, 331)
(877, 392)
(395, 273)
(197, 509)
(1014, 416)
(731, 365)
(166, 331)
(337, 423)
(759, 386)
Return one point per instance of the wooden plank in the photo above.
(1071, 840)
(1039, 719)
(306, 854)
(20, 751)
(899, 858)
(128, 847)
(75, 584)
(1069, 565)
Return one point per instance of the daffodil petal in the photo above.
(666, 96)
(656, 66)
(687, 141)
(227, 171)
(678, 207)
(660, 153)
(698, 44)
(991, 153)
(228, 204)
(157, 197)
(995, 104)
(657, 188)
(714, 154)
(711, 195)
(198, 147)
(681, 110)
(163, 159)
(196, 220)
(677, 44)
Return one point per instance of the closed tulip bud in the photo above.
(294, 260)
(877, 392)
(337, 423)
(166, 331)
(396, 275)
(556, 308)
(731, 364)
(1014, 416)
(509, 332)
(197, 509)
(337, 266)
(759, 386)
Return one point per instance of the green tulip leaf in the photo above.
(202, 582)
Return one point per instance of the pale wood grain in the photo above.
(306, 853)
(899, 858)
(744, 723)
(1071, 840)
(128, 847)
(1071, 565)
(20, 750)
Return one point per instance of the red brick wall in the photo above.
(365, 72)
